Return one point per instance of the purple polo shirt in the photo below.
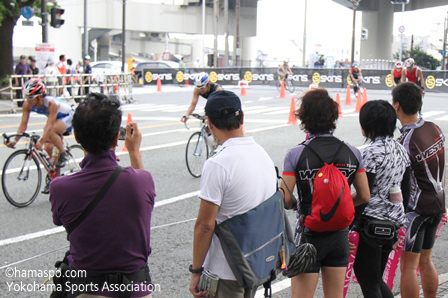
(115, 237)
(22, 69)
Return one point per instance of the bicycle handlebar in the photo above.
(197, 116)
(34, 137)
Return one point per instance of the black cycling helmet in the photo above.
(303, 260)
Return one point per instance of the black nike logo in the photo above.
(328, 216)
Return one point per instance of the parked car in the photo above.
(154, 64)
(101, 68)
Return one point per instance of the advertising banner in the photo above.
(435, 81)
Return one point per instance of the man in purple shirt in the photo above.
(115, 237)
(21, 69)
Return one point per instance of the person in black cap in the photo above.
(234, 180)
(32, 65)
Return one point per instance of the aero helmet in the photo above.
(201, 80)
(303, 260)
(33, 88)
(398, 64)
(409, 62)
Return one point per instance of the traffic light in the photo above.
(364, 34)
(56, 20)
(399, 1)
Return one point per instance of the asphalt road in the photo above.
(30, 241)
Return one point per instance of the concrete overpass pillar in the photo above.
(103, 47)
(380, 37)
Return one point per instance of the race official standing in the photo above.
(425, 144)
(235, 180)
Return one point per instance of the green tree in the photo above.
(421, 58)
(9, 14)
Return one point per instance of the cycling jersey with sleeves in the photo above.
(304, 165)
(397, 72)
(63, 110)
(212, 89)
(412, 75)
(424, 142)
(355, 72)
(387, 160)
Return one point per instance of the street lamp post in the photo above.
(355, 4)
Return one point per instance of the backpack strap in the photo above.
(100, 195)
(293, 198)
(341, 144)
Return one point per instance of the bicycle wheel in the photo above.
(76, 155)
(196, 154)
(291, 87)
(21, 178)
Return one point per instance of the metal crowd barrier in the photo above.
(75, 87)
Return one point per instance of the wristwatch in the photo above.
(195, 271)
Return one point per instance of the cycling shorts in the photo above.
(420, 231)
(332, 249)
(397, 80)
(68, 121)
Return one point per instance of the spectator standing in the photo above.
(33, 67)
(71, 70)
(388, 170)
(51, 72)
(21, 69)
(109, 242)
(62, 67)
(425, 144)
(318, 114)
(235, 180)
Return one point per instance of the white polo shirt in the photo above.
(238, 178)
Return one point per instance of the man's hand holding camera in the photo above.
(132, 141)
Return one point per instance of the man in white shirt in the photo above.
(235, 180)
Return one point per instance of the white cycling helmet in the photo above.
(409, 62)
(355, 64)
(398, 64)
(33, 88)
(201, 80)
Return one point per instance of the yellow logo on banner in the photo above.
(349, 80)
(389, 81)
(430, 82)
(248, 76)
(213, 77)
(180, 76)
(316, 78)
(148, 77)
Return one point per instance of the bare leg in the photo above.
(428, 274)
(333, 281)
(304, 285)
(58, 128)
(409, 286)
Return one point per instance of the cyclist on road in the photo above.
(412, 73)
(397, 72)
(59, 120)
(284, 70)
(204, 88)
(356, 77)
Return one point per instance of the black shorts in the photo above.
(420, 231)
(397, 80)
(332, 249)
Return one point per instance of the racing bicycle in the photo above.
(22, 172)
(198, 148)
(288, 83)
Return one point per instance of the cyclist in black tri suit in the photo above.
(356, 77)
(203, 87)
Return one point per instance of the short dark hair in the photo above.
(61, 57)
(96, 122)
(409, 96)
(378, 119)
(230, 123)
(318, 112)
(69, 62)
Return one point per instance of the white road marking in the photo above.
(265, 98)
(276, 287)
(444, 118)
(432, 113)
(246, 109)
(264, 110)
(284, 111)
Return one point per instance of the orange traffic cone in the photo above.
(116, 87)
(292, 115)
(338, 101)
(129, 120)
(364, 97)
(282, 90)
(187, 82)
(243, 91)
(348, 99)
(159, 85)
(358, 102)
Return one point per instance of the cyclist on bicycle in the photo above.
(356, 77)
(204, 88)
(284, 70)
(397, 72)
(413, 73)
(59, 120)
